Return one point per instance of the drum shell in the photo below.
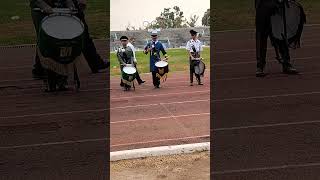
(162, 70)
(51, 47)
(128, 77)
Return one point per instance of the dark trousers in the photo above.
(155, 79)
(192, 72)
(137, 75)
(264, 12)
(89, 50)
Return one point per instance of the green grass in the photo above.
(178, 61)
(22, 31)
(240, 14)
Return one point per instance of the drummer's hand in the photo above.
(135, 61)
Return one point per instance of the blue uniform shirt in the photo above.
(155, 53)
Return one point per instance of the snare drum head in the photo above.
(161, 64)
(62, 26)
(129, 70)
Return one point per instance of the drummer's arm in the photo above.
(120, 59)
(163, 51)
(41, 4)
(70, 4)
(146, 49)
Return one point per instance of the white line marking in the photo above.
(157, 104)
(269, 60)
(53, 143)
(266, 168)
(156, 95)
(160, 140)
(158, 118)
(266, 125)
(270, 96)
(159, 151)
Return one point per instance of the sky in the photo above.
(135, 12)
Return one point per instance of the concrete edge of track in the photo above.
(159, 151)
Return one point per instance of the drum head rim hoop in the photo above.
(51, 34)
(161, 64)
(129, 70)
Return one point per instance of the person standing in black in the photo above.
(264, 10)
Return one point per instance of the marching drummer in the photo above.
(264, 11)
(46, 8)
(130, 44)
(154, 47)
(125, 56)
(194, 48)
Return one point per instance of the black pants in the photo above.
(137, 75)
(155, 79)
(89, 50)
(264, 12)
(192, 64)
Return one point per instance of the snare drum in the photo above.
(199, 67)
(128, 73)
(61, 37)
(162, 68)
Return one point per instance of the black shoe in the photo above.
(290, 70)
(141, 82)
(260, 73)
(191, 84)
(102, 66)
(199, 83)
(157, 86)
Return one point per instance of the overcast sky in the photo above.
(135, 12)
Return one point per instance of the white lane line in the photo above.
(270, 96)
(157, 95)
(157, 104)
(158, 118)
(160, 140)
(53, 143)
(253, 62)
(97, 110)
(159, 151)
(268, 168)
(266, 125)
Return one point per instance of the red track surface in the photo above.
(147, 117)
(265, 128)
(50, 136)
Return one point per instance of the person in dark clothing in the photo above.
(94, 60)
(264, 10)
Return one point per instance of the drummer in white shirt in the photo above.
(130, 44)
(194, 48)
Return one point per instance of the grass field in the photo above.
(240, 14)
(21, 31)
(178, 61)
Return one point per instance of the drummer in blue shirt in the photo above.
(154, 47)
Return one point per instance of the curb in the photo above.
(159, 151)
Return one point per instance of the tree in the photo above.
(169, 18)
(206, 18)
(193, 20)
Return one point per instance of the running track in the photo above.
(265, 128)
(51, 136)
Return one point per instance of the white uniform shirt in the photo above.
(196, 43)
(133, 50)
